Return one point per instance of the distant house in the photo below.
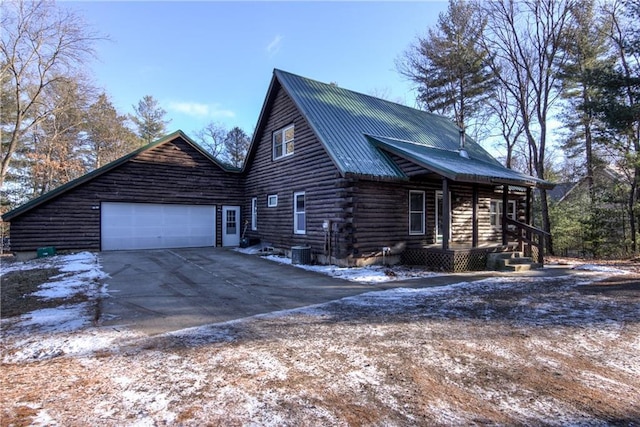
(354, 178)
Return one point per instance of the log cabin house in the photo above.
(356, 179)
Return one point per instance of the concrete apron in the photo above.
(157, 291)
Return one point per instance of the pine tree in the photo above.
(150, 119)
(107, 136)
(236, 145)
(448, 65)
(588, 53)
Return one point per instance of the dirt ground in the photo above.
(510, 351)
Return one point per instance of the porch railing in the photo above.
(528, 237)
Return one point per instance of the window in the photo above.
(232, 223)
(416, 212)
(495, 212)
(440, 215)
(299, 214)
(283, 143)
(254, 213)
(272, 200)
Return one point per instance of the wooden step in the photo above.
(510, 261)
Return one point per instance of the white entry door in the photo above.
(230, 225)
(154, 226)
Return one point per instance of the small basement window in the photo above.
(283, 142)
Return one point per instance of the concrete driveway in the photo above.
(157, 291)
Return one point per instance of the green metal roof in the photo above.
(452, 165)
(345, 121)
(97, 172)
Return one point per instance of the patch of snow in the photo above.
(43, 419)
(600, 269)
(372, 274)
(59, 319)
(9, 267)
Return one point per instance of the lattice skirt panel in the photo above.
(450, 261)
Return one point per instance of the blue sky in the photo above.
(213, 61)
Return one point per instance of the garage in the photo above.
(167, 194)
(125, 226)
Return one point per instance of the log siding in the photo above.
(310, 170)
(174, 173)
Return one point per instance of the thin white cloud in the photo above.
(199, 110)
(274, 46)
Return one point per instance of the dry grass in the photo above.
(16, 288)
(516, 352)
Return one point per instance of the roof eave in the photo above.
(31, 204)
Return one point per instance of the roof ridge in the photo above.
(336, 86)
(110, 166)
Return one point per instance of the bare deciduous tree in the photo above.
(40, 44)
(524, 40)
(211, 138)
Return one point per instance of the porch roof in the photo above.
(455, 166)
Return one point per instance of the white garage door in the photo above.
(155, 226)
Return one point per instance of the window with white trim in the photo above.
(272, 200)
(254, 213)
(495, 212)
(299, 213)
(416, 212)
(283, 142)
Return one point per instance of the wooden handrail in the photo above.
(524, 233)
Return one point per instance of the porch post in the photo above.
(474, 215)
(446, 214)
(505, 193)
(527, 216)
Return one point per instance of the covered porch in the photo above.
(455, 249)
(450, 253)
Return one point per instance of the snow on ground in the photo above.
(506, 350)
(370, 274)
(68, 328)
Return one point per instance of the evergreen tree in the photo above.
(448, 65)
(107, 136)
(619, 103)
(236, 145)
(588, 53)
(150, 119)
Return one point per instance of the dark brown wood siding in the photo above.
(381, 215)
(309, 169)
(174, 172)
